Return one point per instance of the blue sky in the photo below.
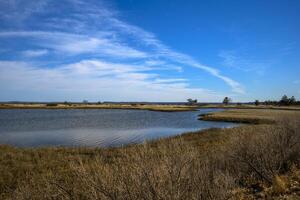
(155, 50)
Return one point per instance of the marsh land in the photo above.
(172, 107)
(137, 106)
(259, 160)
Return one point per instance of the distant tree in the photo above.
(292, 100)
(256, 102)
(267, 102)
(284, 100)
(191, 101)
(67, 103)
(226, 100)
(85, 101)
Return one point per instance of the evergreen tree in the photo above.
(256, 102)
(284, 100)
(292, 100)
(226, 100)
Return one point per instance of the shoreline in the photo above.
(141, 106)
(250, 116)
(261, 107)
(152, 107)
(248, 120)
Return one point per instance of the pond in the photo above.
(96, 127)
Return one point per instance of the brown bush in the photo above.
(264, 153)
(173, 171)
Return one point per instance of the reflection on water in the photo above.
(93, 127)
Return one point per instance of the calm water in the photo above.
(42, 127)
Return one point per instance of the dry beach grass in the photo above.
(153, 107)
(253, 116)
(246, 162)
(140, 106)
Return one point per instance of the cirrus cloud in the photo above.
(94, 45)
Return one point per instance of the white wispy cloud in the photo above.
(78, 44)
(230, 58)
(17, 11)
(164, 51)
(296, 81)
(95, 30)
(93, 80)
(35, 53)
(174, 80)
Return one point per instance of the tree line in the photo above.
(284, 101)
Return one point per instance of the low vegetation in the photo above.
(153, 107)
(252, 116)
(285, 103)
(246, 162)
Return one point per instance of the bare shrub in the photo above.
(172, 171)
(267, 153)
